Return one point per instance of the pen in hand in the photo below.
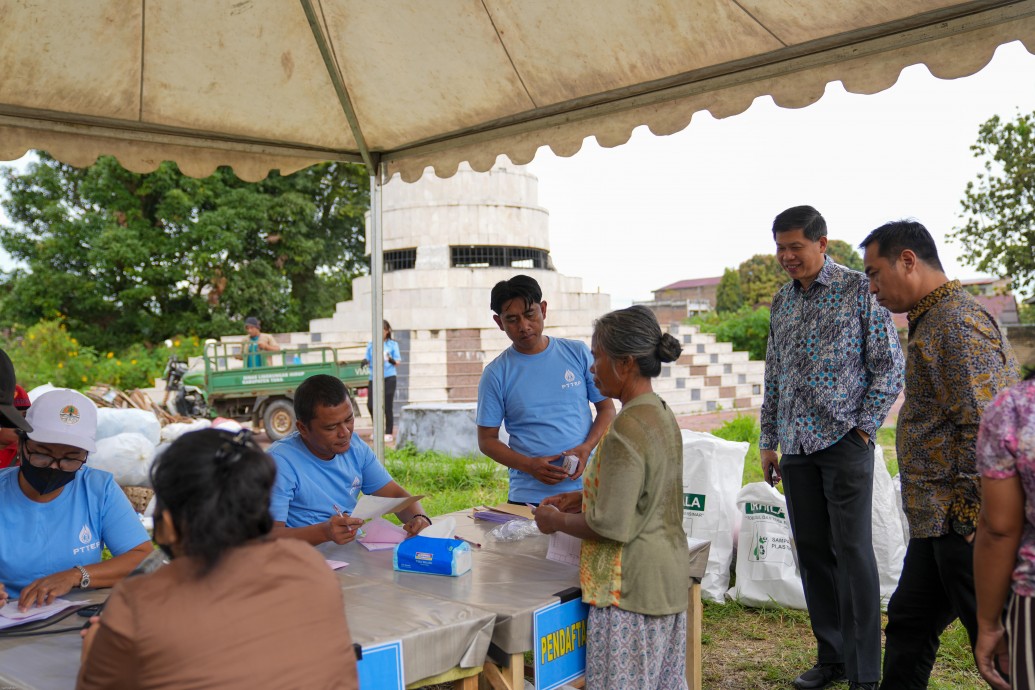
(341, 513)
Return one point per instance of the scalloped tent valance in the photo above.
(267, 84)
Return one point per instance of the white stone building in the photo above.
(446, 243)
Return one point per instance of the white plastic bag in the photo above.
(897, 483)
(713, 469)
(171, 432)
(127, 456)
(113, 421)
(767, 567)
(888, 545)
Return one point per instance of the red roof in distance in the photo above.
(691, 283)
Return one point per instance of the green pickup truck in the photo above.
(258, 394)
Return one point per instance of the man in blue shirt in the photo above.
(833, 369)
(322, 467)
(58, 514)
(541, 388)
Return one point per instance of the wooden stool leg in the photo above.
(693, 637)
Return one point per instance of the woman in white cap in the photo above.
(62, 511)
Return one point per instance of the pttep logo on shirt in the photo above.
(569, 377)
(86, 538)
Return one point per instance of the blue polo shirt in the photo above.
(40, 539)
(307, 488)
(544, 401)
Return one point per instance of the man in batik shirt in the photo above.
(958, 361)
(833, 370)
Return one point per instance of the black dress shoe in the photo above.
(820, 676)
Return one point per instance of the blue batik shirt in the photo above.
(833, 362)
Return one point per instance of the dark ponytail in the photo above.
(216, 487)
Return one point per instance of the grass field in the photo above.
(743, 648)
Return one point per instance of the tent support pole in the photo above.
(377, 264)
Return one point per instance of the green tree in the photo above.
(728, 295)
(998, 234)
(844, 254)
(760, 277)
(125, 258)
(747, 329)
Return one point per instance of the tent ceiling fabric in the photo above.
(273, 84)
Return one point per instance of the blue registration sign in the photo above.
(381, 667)
(559, 635)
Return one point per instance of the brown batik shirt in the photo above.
(957, 362)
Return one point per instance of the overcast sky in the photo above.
(656, 210)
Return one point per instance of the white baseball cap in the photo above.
(64, 416)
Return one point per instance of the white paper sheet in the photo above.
(10, 615)
(368, 506)
(564, 548)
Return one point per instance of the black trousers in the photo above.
(830, 504)
(389, 403)
(936, 588)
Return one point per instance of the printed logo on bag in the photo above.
(763, 509)
(69, 414)
(569, 376)
(693, 502)
(424, 556)
(759, 551)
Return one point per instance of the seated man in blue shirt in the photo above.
(322, 468)
(58, 514)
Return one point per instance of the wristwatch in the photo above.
(84, 582)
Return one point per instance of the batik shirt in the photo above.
(958, 361)
(833, 362)
(1006, 449)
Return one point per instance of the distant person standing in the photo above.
(257, 342)
(541, 388)
(833, 369)
(392, 357)
(958, 361)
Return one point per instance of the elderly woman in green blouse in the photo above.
(634, 568)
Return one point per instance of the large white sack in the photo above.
(713, 469)
(888, 546)
(897, 483)
(767, 568)
(127, 456)
(171, 432)
(112, 421)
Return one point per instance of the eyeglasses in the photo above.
(41, 460)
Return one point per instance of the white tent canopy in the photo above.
(403, 85)
(275, 84)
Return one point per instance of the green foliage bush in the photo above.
(744, 428)
(48, 353)
(746, 328)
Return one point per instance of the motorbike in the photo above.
(180, 399)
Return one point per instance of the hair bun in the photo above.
(669, 348)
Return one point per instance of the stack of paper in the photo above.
(380, 534)
(502, 513)
(11, 616)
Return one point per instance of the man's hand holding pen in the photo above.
(341, 528)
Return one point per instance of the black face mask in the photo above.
(45, 480)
